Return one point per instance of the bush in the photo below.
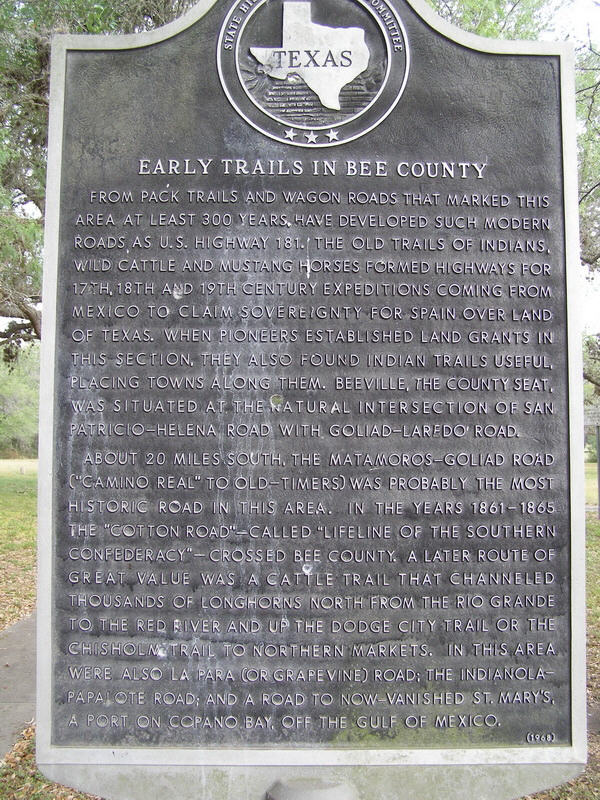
(19, 387)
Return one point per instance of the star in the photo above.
(332, 136)
(290, 134)
(311, 137)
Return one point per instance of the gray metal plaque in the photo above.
(309, 492)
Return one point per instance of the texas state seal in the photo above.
(313, 73)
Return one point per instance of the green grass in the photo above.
(593, 607)
(18, 488)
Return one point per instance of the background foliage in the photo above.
(19, 388)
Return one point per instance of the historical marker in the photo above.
(310, 505)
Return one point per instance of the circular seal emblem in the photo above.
(313, 73)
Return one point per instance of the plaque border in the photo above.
(56, 761)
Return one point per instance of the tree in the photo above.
(588, 108)
(591, 366)
(26, 28)
(499, 19)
